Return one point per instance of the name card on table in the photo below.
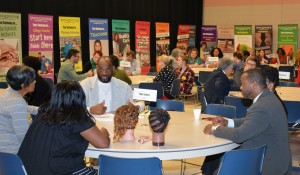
(125, 63)
(284, 75)
(213, 59)
(145, 94)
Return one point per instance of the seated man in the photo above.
(105, 93)
(135, 68)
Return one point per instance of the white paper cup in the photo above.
(197, 113)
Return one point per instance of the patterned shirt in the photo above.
(166, 76)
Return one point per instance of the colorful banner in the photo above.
(98, 36)
(10, 42)
(192, 37)
(183, 37)
(40, 42)
(263, 39)
(208, 40)
(69, 38)
(162, 38)
(142, 44)
(226, 39)
(121, 37)
(242, 37)
(288, 38)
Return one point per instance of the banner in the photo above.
(98, 36)
(288, 38)
(142, 44)
(121, 37)
(162, 38)
(192, 37)
(40, 42)
(208, 40)
(226, 39)
(263, 39)
(69, 38)
(242, 37)
(10, 42)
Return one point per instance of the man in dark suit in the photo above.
(261, 125)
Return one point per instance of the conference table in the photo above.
(137, 79)
(184, 138)
(197, 70)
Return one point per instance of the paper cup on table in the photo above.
(197, 113)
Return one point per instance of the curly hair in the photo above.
(158, 120)
(126, 117)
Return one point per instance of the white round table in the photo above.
(184, 139)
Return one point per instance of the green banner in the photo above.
(120, 25)
(10, 42)
(288, 38)
(243, 30)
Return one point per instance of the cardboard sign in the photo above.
(213, 59)
(125, 64)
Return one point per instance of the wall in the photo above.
(252, 12)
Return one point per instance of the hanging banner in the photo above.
(208, 40)
(263, 39)
(121, 37)
(226, 39)
(69, 38)
(192, 37)
(10, 42)
(98, 36)
(142, 44)
(162, 38)
(288, 38)
(40, 42)
(242, 37)
(183, 37)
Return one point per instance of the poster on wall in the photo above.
(288, 38)
(121, 37)
(184, 40)
(208, 40)
(69, 38)
(142, 44)
(263, 39)
(10, 42)
(226, 39)
(40, 42)
(242, 38)
(98, 38)
(162, 38)
(192, 37)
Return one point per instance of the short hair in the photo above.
(193, 49)
(220, 52)
(176, 52)
(67, 104)
(246, 53)
(225, 63)
(272, 75)
(115, 60)
(33, 62)
(238, 55)
(126, 117)
(158, 120)
(18, 75)
(256, 75)
(282, 50)
(252, 58)
(184, 58)
(130, 52)
(72, 52)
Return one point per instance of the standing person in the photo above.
(135, 68)
(67, 71)
(186, 74)
(105, 93)
(261, 125)
(14, 109)
(118, 73)
(262, 58)
(195, 61)
(217, 85)
(166, 75)
(91, 65)
(57, 140)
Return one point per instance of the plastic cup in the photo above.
(197, 113)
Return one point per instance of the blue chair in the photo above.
(288, 84)
(11, 164)
(222, 110)
(246, 162)
(169, 105)
(3, 85)
(241, 104)
(124, 166)
(293, 109)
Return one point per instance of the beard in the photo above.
(105, 79)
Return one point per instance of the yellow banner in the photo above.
(69, 26)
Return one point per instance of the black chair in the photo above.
(222, 110)
(169, 105)
(3, 85)
(290, 69)
(175, 90)
(202, 99)
(288, 84)
(241, 104)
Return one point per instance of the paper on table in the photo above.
(107, 117)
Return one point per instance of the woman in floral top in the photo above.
(186, 74)
(166, 75)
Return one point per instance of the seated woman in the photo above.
(215, 52)
(125, 120)
(14, 109)
(262, 58)
(186, 74)
(118, 73)
(166, 75)
(282, 56)
(57, 140)
(297, 67)
(91, 65)
(195, 61)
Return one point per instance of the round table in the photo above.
(184, 138)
